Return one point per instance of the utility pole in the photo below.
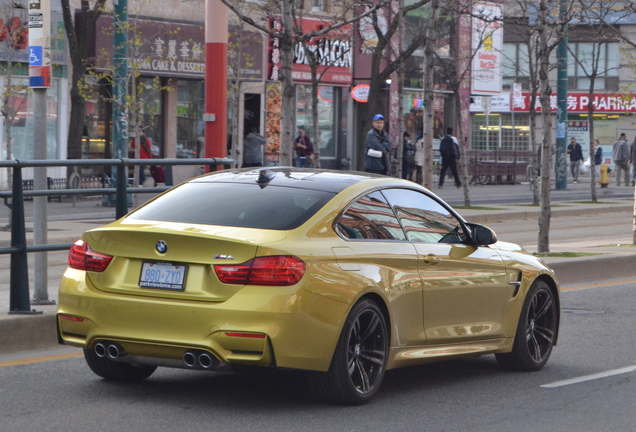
(562, 104)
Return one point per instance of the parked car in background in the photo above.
(341, 274)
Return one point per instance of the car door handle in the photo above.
(431, 259)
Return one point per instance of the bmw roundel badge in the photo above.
(162, 247)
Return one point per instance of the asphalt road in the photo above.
(59, 392)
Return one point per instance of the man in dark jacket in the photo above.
(449, 150)
(576, 158)
(378, 147)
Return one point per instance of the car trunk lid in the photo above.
(184, 270)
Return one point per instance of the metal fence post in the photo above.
(19, 290)
(122, 183)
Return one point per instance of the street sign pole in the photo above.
(40, 81)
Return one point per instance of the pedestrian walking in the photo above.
(632, 154)
(419, 159)
(576, 158)
(377, 147)
(449, 150)
(598, 159)
(408, 156)
(620, 154)
(253, 149)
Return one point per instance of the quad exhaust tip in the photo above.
(111, 350)
(100, 350)
(190, 359)
(199, 360)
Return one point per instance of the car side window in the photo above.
(424, 219)
(370, 218)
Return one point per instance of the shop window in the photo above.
(150, 112)
(326, 113)
(23, 122)
(500, 132)
(189, 118)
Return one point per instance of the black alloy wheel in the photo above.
(536, 332)
(359, 363)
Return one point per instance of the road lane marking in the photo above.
(599, 285)
(39, 359)
(590, 377)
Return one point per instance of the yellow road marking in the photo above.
(599, 285)
(39, 359)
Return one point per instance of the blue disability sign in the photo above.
(35, 56)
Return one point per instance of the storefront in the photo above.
(495, 126)
(169, 88)
(19, 109)
(333, 53)
(506, 128)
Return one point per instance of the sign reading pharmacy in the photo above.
(604, 103)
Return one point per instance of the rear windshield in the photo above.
(236, 205)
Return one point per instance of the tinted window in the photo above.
(371, 218)
(423, 218)
(237, 205)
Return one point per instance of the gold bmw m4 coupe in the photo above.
(344, 275)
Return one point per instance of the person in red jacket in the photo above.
(145, 152)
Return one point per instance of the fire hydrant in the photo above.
(605, 178)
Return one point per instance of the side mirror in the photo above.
(482, 235)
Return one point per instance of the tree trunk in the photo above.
(546, 147)
(429, 96)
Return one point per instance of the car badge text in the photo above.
(161, 246)
(227, 257)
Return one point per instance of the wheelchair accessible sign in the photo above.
(39, 44)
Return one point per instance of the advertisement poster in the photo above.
(273, 94)
(488, 47)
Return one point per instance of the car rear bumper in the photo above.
(282, 326)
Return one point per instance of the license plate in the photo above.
(162, 275)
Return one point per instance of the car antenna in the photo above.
(264, 177)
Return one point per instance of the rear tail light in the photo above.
(81, 257)
(270, 270)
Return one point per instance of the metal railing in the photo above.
(19, 285)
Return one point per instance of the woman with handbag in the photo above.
(378, 148)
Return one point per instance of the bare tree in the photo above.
(80, 37)
(288, 36)
(550, 33)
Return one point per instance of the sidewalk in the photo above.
(501, 204)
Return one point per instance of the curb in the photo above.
(570, 271)
(27, 333)
(495, 217)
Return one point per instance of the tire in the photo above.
(116, 371)
(536, 331)
(359, 362)
(483, 179)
